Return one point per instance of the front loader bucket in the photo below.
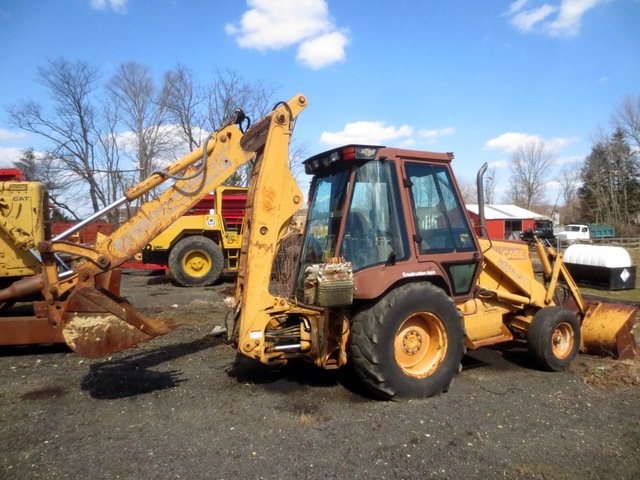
(97, 322)
(606, 331)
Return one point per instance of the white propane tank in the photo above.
(597, 256)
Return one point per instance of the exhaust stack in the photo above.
(480, 187)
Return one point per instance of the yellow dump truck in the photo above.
(204, 242)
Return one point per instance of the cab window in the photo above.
(374, 229)
(440, 223)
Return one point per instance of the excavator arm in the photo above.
(84, 302)
(273, 198)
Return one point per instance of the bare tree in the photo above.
(297, 154)
(569, 183)
(185, 101)
(626, 118)
(143, 112)
(71, 126)
(490, 185)
(196, 110)
(100, 145)
(530, 166)
(467, 190)
(229, 92)
(116, 177)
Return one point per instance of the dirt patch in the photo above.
(44, 393)
(607, 373)
(184, 405)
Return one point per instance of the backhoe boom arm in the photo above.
(94, 320)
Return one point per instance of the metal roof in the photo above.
(505, 212)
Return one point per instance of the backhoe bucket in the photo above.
(606, 331)
(98, 322)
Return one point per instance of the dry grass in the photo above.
(309, 420)
(606, 372)
(635, 255)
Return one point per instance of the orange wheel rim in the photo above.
(562, 340)
(420, 344)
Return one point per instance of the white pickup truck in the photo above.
(584, 233)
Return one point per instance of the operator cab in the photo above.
(396, 214)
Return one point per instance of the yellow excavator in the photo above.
(388, 274)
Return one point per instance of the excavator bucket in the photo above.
(97, 321)
(607, 331)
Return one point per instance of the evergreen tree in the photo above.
(28, 165)
(610, 192)
(39, 169)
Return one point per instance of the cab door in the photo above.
(442, 232)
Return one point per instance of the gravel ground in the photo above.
(185, 406)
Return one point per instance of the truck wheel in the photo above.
(553, 338)
(196, 261)
(409, 344)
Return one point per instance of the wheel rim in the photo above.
(420, 344)
(196, 263)
(562, 340)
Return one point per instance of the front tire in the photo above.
(553, 338)
(409, 344)
(196, 261)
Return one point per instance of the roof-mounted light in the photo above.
(349, 153)
(335, 159)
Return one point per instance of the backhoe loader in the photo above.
(390, 274)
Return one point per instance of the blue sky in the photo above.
(478, 78)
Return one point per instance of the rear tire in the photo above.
(409, 344)
(553, 338)
(196, 261)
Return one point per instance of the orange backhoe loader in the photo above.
(389, 276)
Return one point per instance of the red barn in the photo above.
(504, 221)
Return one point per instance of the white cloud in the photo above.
(170, 134)
(274, 25)
(516, 7)
(572, 160)
(11, 136)
(499, 164)
(562, 19)
(526, 20)
(323, 50)
(569, 20)
(8, 155)
(554, 185)
(9, 152)
(432, 136)
(379, 133)
(559, 143)
(509, 142)
(118, 6)
(374, 133)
